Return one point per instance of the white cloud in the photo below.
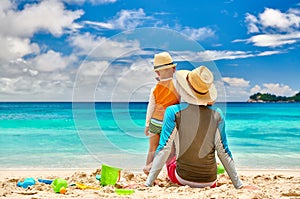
(86, 42)
(255, 89)
(130, 19)
(251, 20)
(237, 89)
(49, 16)
(212, 55)
(6, 85)
(294, 11)
(101, 47)
(5, 5)
(274, 88)
(103, 1)
(15, 68)
(274, 18)
(93, 68)
(25, 83)
(272, 40)
(51, 61)
(124, 20)
(32, 72)
(18, 26)
(198, 34)
(95, 2)
(218, 55)
(102, 82)
(273, 27)
(267, 53)
(35, 88)
(236, 82)
(100, 24)
(131, 83)
(15, 47)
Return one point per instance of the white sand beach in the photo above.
(270, 183)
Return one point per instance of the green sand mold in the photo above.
(124, 191)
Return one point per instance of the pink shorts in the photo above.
(171, 168)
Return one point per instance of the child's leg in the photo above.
(153, 143)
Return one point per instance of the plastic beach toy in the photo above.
(98, 177)
(26, 183)
(59, 185)
(109, 175)
(83, 186)
(221, 169)
(45, 181)
(124, 191)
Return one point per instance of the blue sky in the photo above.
(102, 50)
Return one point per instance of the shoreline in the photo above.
(15, 172)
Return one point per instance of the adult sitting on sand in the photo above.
(198, 130)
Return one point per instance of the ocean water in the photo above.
(85, 135)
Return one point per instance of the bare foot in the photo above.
(147, 168)
(250, 187)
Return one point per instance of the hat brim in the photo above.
(210, 96)
(165, 67)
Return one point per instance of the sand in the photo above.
(271, 184)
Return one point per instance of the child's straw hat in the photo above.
(162, 61)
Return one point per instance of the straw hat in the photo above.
(162, 61)
(198, 83)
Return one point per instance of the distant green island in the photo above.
(267, 97)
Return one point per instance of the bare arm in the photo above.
(150, 110)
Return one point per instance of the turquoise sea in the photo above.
(85, 135)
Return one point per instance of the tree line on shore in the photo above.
(267, 97)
